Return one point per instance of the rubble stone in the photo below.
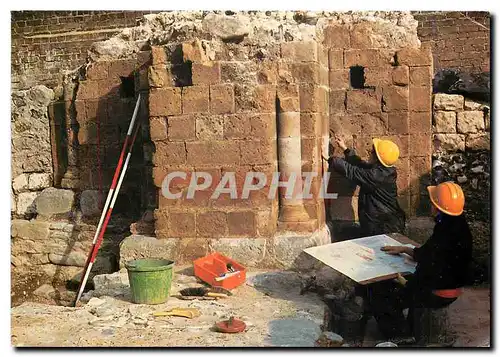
(54, 201)
(26, 203)
(39, 181)
(470, 122)
(73, 258)
(20, 183)
(228, 28)
(89, 203)
(448, 102)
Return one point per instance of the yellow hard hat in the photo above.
(387, 152)
(448, 197)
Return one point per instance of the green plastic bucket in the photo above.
(150, 280)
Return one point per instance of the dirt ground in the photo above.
(269, 303)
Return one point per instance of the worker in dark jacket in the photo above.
(378, 209)
(441, 271)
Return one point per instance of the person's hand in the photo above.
(401, 280)
(393, 249)
(340, 142)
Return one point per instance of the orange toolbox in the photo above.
(218, 270)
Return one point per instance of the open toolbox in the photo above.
(218, 270)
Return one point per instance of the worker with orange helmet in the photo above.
(378, 208)
(441, 271)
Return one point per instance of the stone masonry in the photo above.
(244, 92)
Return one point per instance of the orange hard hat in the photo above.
(448, 197)
(387, 152)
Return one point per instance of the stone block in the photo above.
(206, 74)
(312, 98)
(471, 105)
(420, 144)
(195, 99)
(53, 201)
(478, 141)
(323, 56)
(339, 79)
(421, 76)
(242, 223)
(487, 120)
(415, 57)
(267, 73)
(159, 77)
(403, 170)
(420, 173)
(336, 59)
(98, 70)
(181, 128)
(345, 124)
(398, 122)
(337, 101)
(310, 124)
(261, 98)
(20, 183)
(181, 224)
(256, 152)
(377, 77)
(375, 124)
(168, 154)
(420, 122)
(121, 68)
(368, 58)
(420, 99)
(363, 101)
(158, 128)
(306, 72)
(211, 224)
(395, 98)
(72, 258)
(336, 36)
(402, 141)
(165, 101)
(451, 102)
(137, 247)
(249, 252)
(288, 96)
(222, 99)
(400, 76)
(31, 230)
(213, 152)
(190, 249)
(449, 142)
(158, 55)
(445, 122)
(470, 122)
(89, 203)
(193, 52)
(237, 126)
(209, 127)
(300, 51)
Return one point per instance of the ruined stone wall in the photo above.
(459, 39)
(45, 43)
(462, 153)
(392, 101)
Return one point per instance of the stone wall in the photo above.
(46, 43)
(461, 153)
(459, 39)
(238, 92)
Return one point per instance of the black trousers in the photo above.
(386, 301)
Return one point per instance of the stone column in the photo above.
(289, 163)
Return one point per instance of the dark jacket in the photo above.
(443, 261)
(378, 209)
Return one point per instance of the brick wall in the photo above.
(45, 43)
(459, 40)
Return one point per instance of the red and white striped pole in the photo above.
(110, 200)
